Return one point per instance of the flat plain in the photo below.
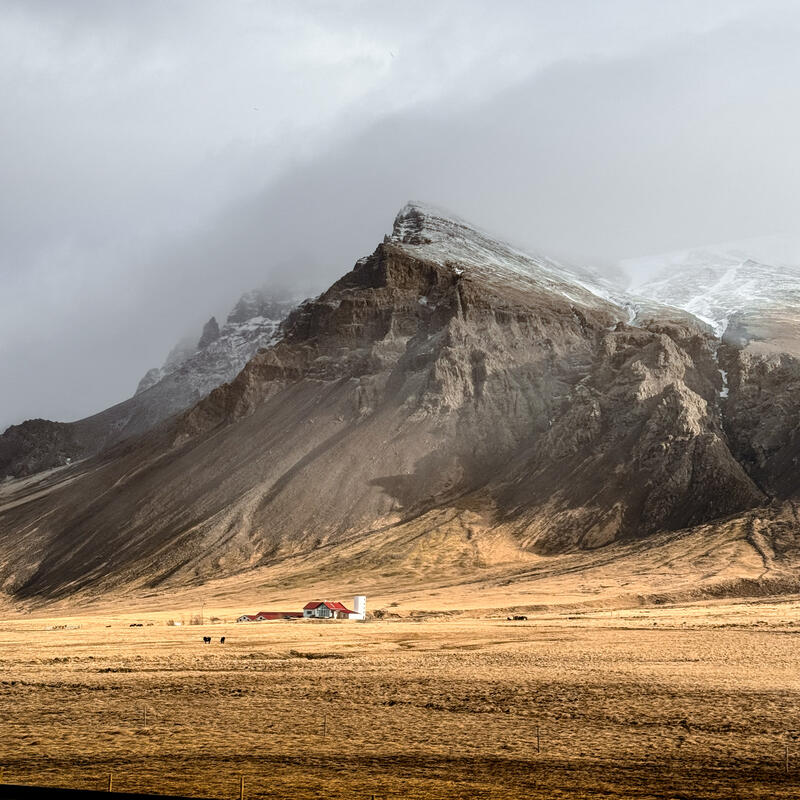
(670, 702)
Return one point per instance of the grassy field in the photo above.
(692, 702)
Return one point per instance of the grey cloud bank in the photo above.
(160, 158)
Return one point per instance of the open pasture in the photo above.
(695, 705)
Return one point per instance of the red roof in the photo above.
(328, 604)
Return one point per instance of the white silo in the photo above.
(359, 607)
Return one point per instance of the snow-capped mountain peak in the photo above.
(444, 238)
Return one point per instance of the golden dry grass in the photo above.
(699, 704)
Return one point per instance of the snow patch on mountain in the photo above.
(717, 282)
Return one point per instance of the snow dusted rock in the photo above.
(210, 333)
(449, 241)
(745, 300)
(191, 370)
(185, 348)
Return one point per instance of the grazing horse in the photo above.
(206, 640)
(222, 640)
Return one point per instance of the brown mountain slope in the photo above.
(443, 375)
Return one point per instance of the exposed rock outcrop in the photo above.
(40, 444)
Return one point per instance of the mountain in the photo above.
(192, 369)
(450, 407)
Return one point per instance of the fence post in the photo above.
(241, 787)
(110, 782)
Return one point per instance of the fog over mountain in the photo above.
(160, 159)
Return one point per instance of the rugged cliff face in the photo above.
(189, 373)
(639, 448)
(447, 376)
(761, 417)
(754, 309)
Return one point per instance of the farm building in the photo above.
(263, 616)
(317, 609)
(327, 609)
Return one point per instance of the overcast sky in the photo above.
(158, 158)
